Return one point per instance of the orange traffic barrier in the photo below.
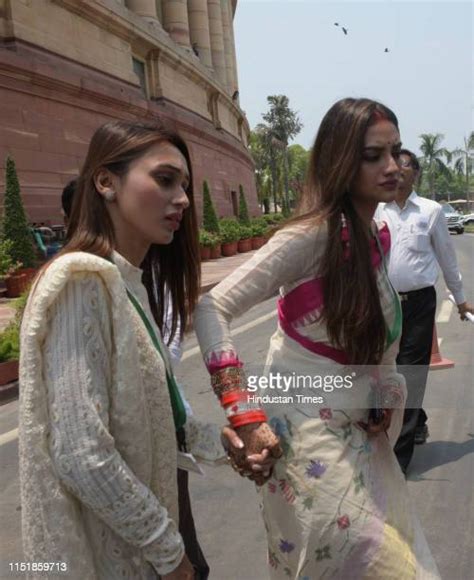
(437, 362)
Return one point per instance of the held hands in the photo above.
(373, 428)
(252, 450)
(464, 309)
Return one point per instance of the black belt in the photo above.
(414, 293)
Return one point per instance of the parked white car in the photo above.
(453, 218)
(468, 219)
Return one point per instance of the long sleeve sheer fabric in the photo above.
(97, 446)
(77, 362)
(288, 258)
(78, 355)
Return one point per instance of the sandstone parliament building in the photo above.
(67, 66)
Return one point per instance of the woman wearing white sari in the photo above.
(336, 504)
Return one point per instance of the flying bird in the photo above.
(344, 30)
(336, 24)
(386, 50)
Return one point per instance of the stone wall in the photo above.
(66, 67)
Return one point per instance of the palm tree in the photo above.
(433, 163)
(465, 161)
(284, 125)
(259, 155)
(272, 148)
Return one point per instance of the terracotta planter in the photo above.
(229, 249)
(258, 242)
(16, 285)
(245, 245)
(216, 252)
(8, 372)
(30, 273)
(205, 253)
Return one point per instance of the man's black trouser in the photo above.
(186, 521)
(413, 360)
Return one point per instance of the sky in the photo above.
(292, 47)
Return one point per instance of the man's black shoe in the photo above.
(421, 435)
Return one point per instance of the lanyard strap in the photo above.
(394, 332)
(179, 412)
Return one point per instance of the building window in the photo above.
(139, 70)
(235, 203)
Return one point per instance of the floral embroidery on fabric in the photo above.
(273, 559)
(325, 414)
(359, 482)
(315, 469)
(323, 553)
(286, 547)
(287, 491)
(343, 522)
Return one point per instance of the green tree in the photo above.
(298, 160)
(465, 162)
(284, 125)
(209, 218)
(272, 151)
(244, 217)
(15, 225)
(261, 160)
(432, 160)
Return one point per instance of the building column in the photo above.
(144, 8)
(199, 30)
(217, 40)
(175, 21)
(159, 10)
(229, 63)
(234, 53)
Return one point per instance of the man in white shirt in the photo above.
(420, 244)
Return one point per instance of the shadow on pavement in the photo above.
(436, 453)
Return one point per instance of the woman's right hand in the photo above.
(253, 450)
(184, 571)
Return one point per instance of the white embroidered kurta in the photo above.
(98, 457)
(336, 505)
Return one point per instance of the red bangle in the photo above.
(257, 416)
(233, 396)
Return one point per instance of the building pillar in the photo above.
(217, 40)
(159, 10)
(144, 8)
(234, 53)
(199, 30)
(175, 21)
(229, 63)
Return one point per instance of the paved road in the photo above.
(226, 507)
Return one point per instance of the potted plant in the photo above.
(206, 242)
(210, 222)
(245, 242)
(230, 234)
(15, 280)
(10, 344)
(9, 354)
(259, 229)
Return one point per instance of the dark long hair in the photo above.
(352, 309)
(171, 273)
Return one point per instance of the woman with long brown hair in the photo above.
(99, 408)
(335, 505)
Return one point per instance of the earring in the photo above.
(109, 195)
